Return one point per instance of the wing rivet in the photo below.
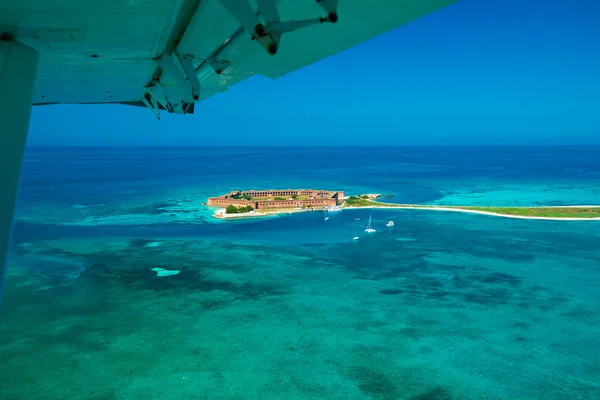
(272, 49)
(260, 30)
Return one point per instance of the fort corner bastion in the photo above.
(269, 199)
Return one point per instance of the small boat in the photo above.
(391, 223)
(326, 218)
(369, 229)
(355, 238)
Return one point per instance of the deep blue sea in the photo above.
(440, 306)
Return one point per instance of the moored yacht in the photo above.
(369, 229)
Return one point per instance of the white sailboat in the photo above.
(369, 229)
(391, 223)
(355, 236)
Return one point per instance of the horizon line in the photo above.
(306, 145)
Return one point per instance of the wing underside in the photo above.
(170, 54)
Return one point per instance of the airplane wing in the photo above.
(171, 54)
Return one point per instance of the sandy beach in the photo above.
(220, 214)
(441, 208)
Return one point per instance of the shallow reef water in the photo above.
(441, 306)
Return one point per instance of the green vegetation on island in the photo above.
(549, 212)
(363, 201)
(544, 212)
(239, 196)
(294, 197)
(237, 210)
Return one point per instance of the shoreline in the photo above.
(492, 214)
(416, 207)
(258, 214)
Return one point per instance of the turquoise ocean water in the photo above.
(441, 306)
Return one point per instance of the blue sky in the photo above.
(476, 72)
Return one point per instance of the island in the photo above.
(265, 202)
(259, 203)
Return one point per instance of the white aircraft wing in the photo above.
(146, 52)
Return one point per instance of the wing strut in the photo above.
(268, 33)
(181, 68)
(18, 69)
(265, 27)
